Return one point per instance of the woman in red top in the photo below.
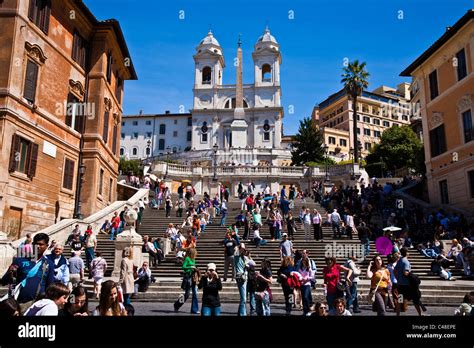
(332, 275)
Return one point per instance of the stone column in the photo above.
(129, 238)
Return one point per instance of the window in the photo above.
(74, 113)
(358, 130)
(266, 73)
(161, 144)
(175, 134)
(437, 141)
(31, 78)
(365, 108)
(366, 119)
(376, 121)
(109, 66)
(123, 123)
(175, 121)
(332, 140)
(467, 126)
(189, 136)
(162, 128)
(122, 135)
(111, 183)
(206, 75)
(134, 151)
(101, 181)
(343, 142)
(377, 134)
(366, 131)
(39, 13)
(122, 151)
(135, 123)
(148, 135)
(358, 118)
(375, 110)
(204, 138)
(461, 64)
(114, 139)
(433, 78)
(105, 133)
(118, 86)
(68, 177)
(23, 156)
(79, 50)
(190, 121)
(135, 135)
(266, 136)
(266, 130)
(367, 146)
(404, 117)
(147, 151)
(148, 123)
(443, 191)
(386, 124)
(470, 177)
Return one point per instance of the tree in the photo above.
(355, 81)
(399, 147)
(307, 144)
(130, 166)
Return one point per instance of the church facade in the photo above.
(243, 120)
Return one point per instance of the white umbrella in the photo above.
(392, 228)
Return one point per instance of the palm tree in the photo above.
(355, 81)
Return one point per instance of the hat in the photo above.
(285, 235)
(211, 266)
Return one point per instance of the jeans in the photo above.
(336, 226)
(263, 305)
(366, 243)
(277, 232)
(224, 215)
(194, 304)
(306, 297)
(352, 297)
(113, 231)
(89, 257)
(242, 286)
(127, 299)
(259, 242)
(211, 311)
(307, 231)
(229, 260)
(251, 295)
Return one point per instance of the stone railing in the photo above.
(61, 230)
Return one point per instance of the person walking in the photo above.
(380, 280)
(263, 294)
(307, 224)
(240, 266)
(335, 221)
(316, 220)
(307, 277)
(76, 269)
(90, 247)
(210, 284)
(229, 249)
(189, 283)
(98, 269)
(285, 278)
(291, 225)
(331, 275)
(351, 295)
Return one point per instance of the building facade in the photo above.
(146, 136)
(443, 77)
(61, 89)
(376, 111)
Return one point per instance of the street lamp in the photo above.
(215, 148)
(149, 148)
(351, 153)
(326, 148)
(167, 162)
(359, 146)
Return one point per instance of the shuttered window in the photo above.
(105, 134)
(39, 13)
(79, 50)
(433, 78)
(114, 140)
(31, 78)
(437, 141)
(68, 178)
(23, 156)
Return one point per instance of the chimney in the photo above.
(167, 112)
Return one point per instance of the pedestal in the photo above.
(128, 238)
(328, 185)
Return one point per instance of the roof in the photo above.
(439, 43)
(366, 94)
(267, 37)
(209, 40)
(115, 26)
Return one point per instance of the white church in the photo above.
(238, 123)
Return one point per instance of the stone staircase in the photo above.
(210, 249)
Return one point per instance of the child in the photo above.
(56, 296)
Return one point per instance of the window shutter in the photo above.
(33, 160)
(114, 140)
(32, 10)
(69, 109)
(106, 127)
(13, 153)
(68, 174)
(45, 16)
(75, 47)
(31, 78)
(80, 118)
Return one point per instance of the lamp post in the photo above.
(351, 153)
(326, 148)
(149, 148)
(167, 162)
(215, 148)
(359, 146)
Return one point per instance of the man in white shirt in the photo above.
(350, 226)
(335, 220)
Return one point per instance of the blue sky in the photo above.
(314, 43)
